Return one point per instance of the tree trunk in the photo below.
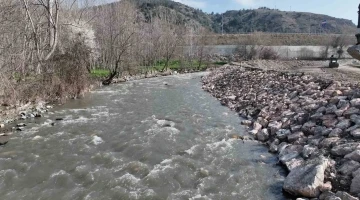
(110, 78)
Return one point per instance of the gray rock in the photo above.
(351, 111)
(263, 135)
(349, 167)
(330, 123)
(306, 128)
(264, 123)
(343, 149)
(246, 122)
(355, 173)
(326, 195)
(339, 112)
(355, 185)
(355, 119)
(343, 124)
(321, 110)
(274, 127)
(20, 128)
(21, 125)
(355, 155)
(352, 129)
(326, 131)
(327, 117)
(355, 133)
(2, 125)
(295, 136)
(328, 142)
(273, 148)
(282, 134)
(282, 146)
(309, 151)
(4, 139)
(315, 141)
(316, 116)
(345, 196)
(336, 132)
(331, 109)
(295, 128)
(355, 102)
(306, 180)
(291, 160)
(343, 103)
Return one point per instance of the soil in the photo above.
(349, 69)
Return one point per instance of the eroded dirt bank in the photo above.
(311, 121)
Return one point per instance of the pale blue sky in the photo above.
(346, 9)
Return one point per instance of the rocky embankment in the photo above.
(11, 114)
(313, 124)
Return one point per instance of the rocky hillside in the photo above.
(270, 20)
(262, 19)
(180, 13)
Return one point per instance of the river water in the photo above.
(139, 140)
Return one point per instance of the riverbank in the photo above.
(11, 116)
(310, 121)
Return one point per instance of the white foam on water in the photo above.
(222, 145)
(129, 179)
(101, 114)
(191, 151)
(97, 140)
(163, 122)
(199, 196)
(30, 131)
(38, 138)
(61, 172)
(80, 120)
(59, 134)
(160, 168)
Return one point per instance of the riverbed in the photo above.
(159, 138)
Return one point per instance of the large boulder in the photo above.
(4, 139)
(355, 133)
(306, 180)
(349, 167)
(345, 196)
(344, 149)
(355, 185)
(263, 135)
(355, 155)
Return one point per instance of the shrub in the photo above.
(267, 53)
(306, 53)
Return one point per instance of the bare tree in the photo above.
(115, 33)
(172, 37)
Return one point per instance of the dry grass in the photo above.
(64, 76)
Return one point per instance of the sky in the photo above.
(346, 9)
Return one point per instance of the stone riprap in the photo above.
(312, 123)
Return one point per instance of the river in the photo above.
(139, 140)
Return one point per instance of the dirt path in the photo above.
(347, 71)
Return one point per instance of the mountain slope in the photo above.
(271, 20)
(262, 19)
(180, 13)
